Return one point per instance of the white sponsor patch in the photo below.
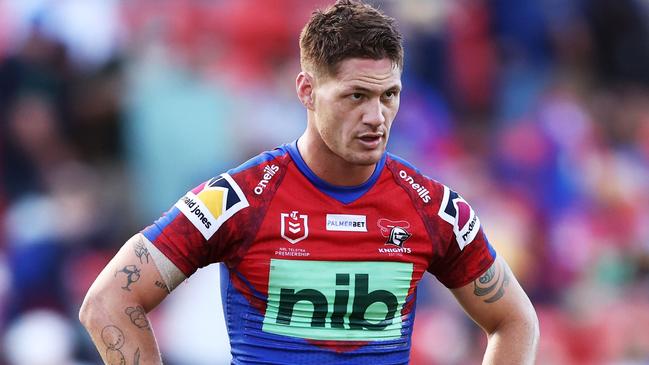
(456, 211)
(469, 231)
(197, 213)
(219, 199)
(346, 222)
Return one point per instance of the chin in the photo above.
(365, 159)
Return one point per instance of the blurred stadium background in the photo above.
(537, 111)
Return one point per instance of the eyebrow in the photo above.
(368, 90)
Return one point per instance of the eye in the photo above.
(390, 94)
(356, 96)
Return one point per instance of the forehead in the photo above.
(367, 73)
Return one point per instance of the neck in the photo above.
(330, 167)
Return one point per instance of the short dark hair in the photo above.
(348, 29)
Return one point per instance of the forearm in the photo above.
(514, 343)
(121, 332)
(114, 310)
(497, 303)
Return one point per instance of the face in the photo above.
(352, 111)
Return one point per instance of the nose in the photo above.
(373, 114)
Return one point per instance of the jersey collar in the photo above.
(344, 194)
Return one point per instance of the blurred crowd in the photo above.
(536, 111)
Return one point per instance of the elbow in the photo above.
(535, 330)
(533, 335)
(529, 331)
(90, 310)
(529, 321)
(523, 325)
(85, 311)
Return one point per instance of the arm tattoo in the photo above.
(136, 358)
(114, 339)
(132, 275)
(492, 283)
(161, 285)
(142, 252)
(138, 317)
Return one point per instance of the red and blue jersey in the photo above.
(316, 273)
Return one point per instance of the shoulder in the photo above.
(209, 205)
(261, 173)
(278, 155)
(429, 191)
(436, 201)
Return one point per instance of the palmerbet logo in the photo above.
(334, 300)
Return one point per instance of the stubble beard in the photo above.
(364, 157)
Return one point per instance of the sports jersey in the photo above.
(313, 273)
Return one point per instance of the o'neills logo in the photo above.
(269, 172)
(423, 193)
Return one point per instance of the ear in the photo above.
(304, 87)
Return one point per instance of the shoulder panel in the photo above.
(426, 194)
(258, 179)
(260, 159)
(259, 176)
(214, 221)
(461, 251)
(457, 212)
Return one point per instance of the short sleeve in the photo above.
(184, 233)
(466, 250)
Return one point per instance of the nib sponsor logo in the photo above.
(269, 172)
(337, 300)
(423, 193)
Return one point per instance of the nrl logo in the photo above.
(294, 226)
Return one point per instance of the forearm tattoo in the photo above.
(138, 317)
(491, 285)
(113, 338)
(161, 285)
(132, 273)
(142, 252)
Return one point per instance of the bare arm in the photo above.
(497, 303)
(115, 307)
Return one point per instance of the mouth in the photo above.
(371, 140)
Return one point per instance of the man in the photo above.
(322, 242)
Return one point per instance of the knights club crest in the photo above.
(394, 231)
(294, 226)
